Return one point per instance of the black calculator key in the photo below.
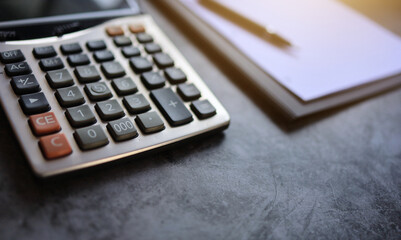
(140, 64)
(11, 56)
(122, 129)
(203, 109)
(188, 92)
(91, 137)
(44, 52)
(86, 74)
(149, 122)
(130, 52)
(163, 60)
(124, 86)
(70, 48)
(78, 60)
(49, 64)
(144, 38)
(70, 96)
(153, 80)
(80, 116)
(25, 84)
(98, 91)
(109, 110)
(59, 78)
(95, 45)
(136, 103)
(175, 75)
(171, 106)
(152, 48)
(103, 56)
(112, 69)
(16, 69)
(34, 103)
(121, 41)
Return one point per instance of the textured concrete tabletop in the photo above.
(337, 176)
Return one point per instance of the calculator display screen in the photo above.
(32, 19)
(27, 9)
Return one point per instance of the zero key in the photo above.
(55, 146)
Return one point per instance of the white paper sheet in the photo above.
(335, 49)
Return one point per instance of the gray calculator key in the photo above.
(136, 103)
(121, 41)
(80, 116)
(112, 69)
(78, 60)
(122, 129)
(163, 60)
(25, 84)
(144, 38)
(188, 92)
(109, 110)
(175, 75)
(96, 45)
(149, 122)
(171, 106)
(124, 86)
(130, 52)
(98, 91)
(203, 109)
(152, 48)
(49, 64)
(140, 64)
(152, 80)
(86, 74)
(91, 137)
(12, 56)
(16, 69)
(103, 56)
(70, 48)
(59, 78)
(34, 103)
(69, 96)
(44, 52)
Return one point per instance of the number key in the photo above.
(97, 91)
(122, 129)
(109, 110)
(90, 137)
(59, 78)
(124, 86)
(136, 103)
(86, 74)
(80, 116)
(69, 96)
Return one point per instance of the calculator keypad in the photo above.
(122, 83)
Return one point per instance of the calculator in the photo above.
(113, 90)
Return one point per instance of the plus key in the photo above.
(171, 106)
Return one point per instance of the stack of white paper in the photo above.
(335, 47)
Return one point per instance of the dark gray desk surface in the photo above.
(333, 176)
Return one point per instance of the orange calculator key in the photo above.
(55, 146)
(44, 123)
(114, 31)
(136, 28)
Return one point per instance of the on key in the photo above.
(34, 103)
(171, 106)
(16, 69)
